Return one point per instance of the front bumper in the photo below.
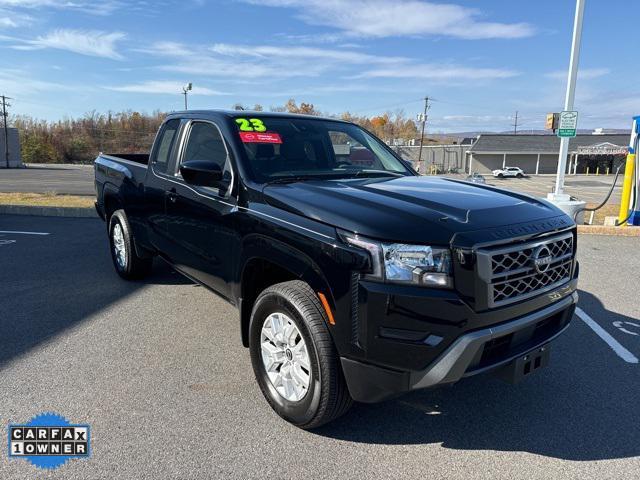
(471, 353)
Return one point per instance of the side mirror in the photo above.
(201, 173)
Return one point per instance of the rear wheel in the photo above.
(293, 356)
(123, 253)
(501, 175)
(519, 175)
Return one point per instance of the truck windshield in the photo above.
(282, 149)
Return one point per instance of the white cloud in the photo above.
(260, 63)
(264, 63)
(385, 18)
(267, 51)
(91, 43)
(11, 19)
(164, 87)
(16, 83)
(7, 23)
(583, 74)
(103, 7)
(448, 72)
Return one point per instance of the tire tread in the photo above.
(335, 398)
(138, 267)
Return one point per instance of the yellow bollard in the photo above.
(607, 170)
(597, 170)
(626, 187)
(587, 170)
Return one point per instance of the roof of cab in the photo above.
(244, 113)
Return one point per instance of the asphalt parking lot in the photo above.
(157, 370)
(49, 178)
(590, 188)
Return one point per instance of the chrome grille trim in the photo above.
(510, 274)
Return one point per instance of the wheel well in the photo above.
(111, 204)
(258, 275)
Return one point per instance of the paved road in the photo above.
(61, 179)
(78, 180)
(157, 370)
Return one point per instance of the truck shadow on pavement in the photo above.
(583, 407)
(53, 283)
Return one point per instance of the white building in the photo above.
(15, 160)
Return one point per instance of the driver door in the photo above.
(200, 219)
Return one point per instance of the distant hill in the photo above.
(582, 131)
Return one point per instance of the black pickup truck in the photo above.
(355, 278)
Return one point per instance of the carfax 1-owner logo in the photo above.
(49, 440)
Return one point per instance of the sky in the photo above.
(479, 62)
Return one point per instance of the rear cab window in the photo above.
(161, 156)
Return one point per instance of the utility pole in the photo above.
(568, 102)
(515, 124)
(5, 117)
(424, 123)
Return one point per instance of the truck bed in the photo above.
(120, 174)
(141, 158)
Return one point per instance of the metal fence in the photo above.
(436, 158)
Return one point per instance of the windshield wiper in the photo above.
(333, 176)
(376, 173)
(292, 179)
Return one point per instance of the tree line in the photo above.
(79, 140)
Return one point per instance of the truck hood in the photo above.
(409, 209)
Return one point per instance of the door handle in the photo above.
(172, 195)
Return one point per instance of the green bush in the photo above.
(39, 150)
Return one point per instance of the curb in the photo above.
(70, 212)
(607, 230)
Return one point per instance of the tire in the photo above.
(500, 175)
(326, 396)
(123, 253)
(519, 175)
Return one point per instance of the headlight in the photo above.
(407, 264)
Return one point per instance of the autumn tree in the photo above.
(79, 140)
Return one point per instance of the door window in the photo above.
(166, 140)
(205, 143)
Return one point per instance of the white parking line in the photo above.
(622, 352)
(24, 233)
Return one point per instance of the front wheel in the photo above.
(123, 253)
(293, 356)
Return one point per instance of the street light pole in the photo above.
(569, 99)
(185, 90)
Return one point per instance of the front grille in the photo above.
(520, 286)
(520, 271)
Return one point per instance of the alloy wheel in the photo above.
(285, 357)
(119, 247)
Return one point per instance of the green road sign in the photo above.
(568, 124)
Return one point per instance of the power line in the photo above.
(389, 106)
(515, 124)
(5, 122)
